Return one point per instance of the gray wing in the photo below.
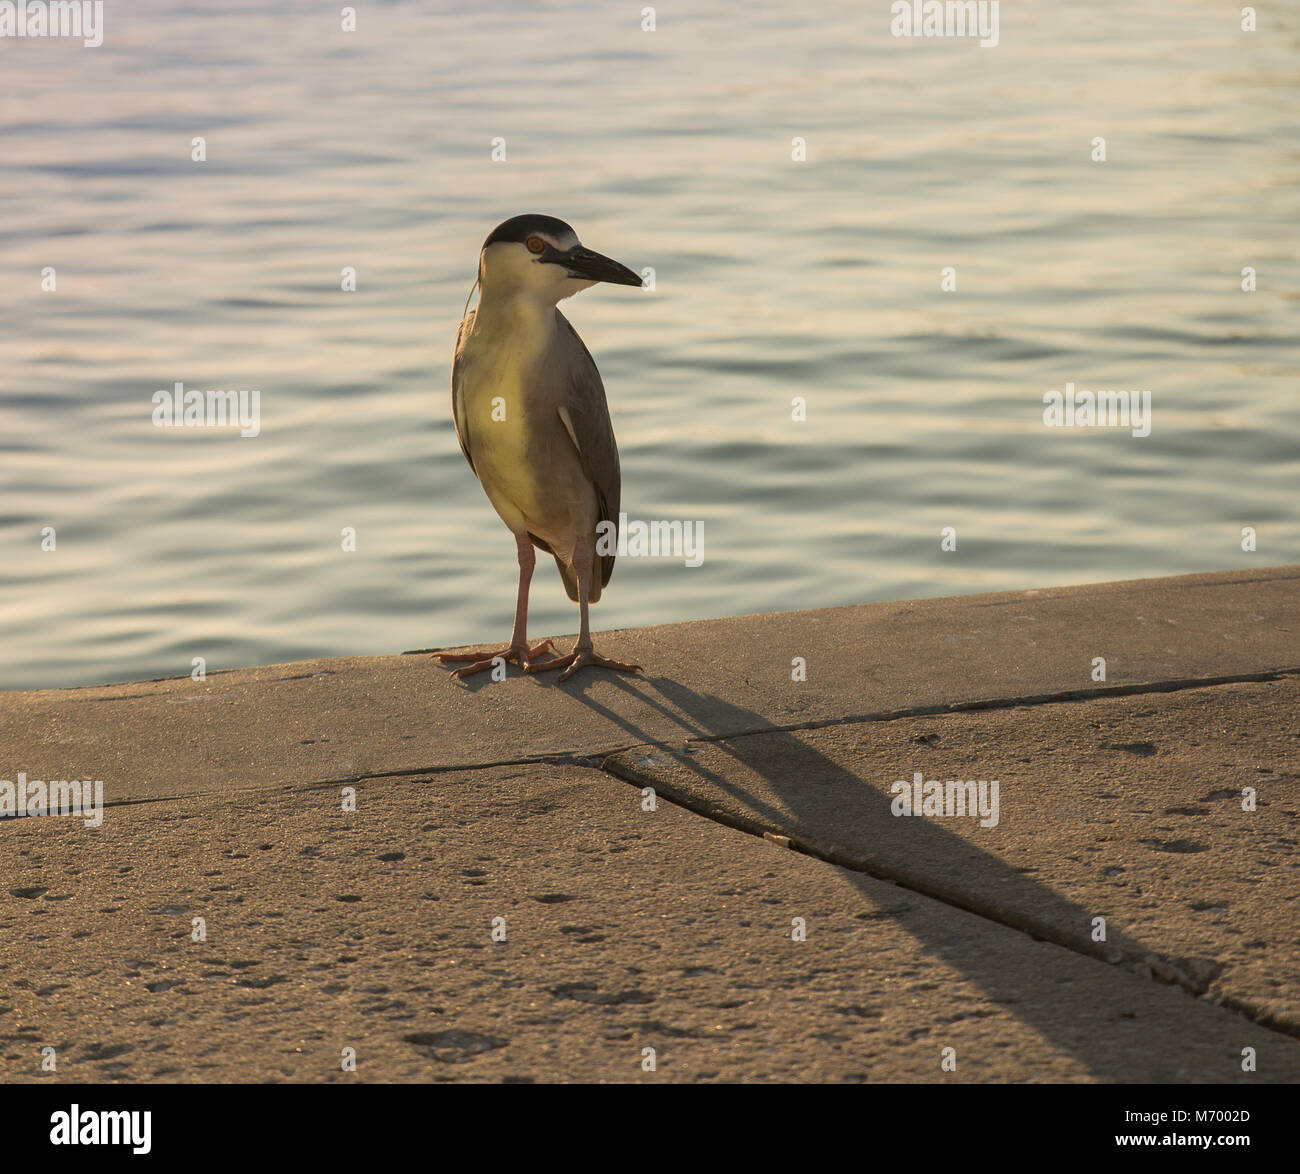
(592, 431)
(458, 367)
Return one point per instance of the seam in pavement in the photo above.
(591, 757)
(596, 758)
(1176, 685)
(1159, 968)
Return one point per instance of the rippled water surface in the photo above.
(774, 279)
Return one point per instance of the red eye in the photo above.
(536, 244)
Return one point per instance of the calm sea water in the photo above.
(774, 279)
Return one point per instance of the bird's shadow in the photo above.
(808, 785)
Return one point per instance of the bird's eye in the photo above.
(536, 244)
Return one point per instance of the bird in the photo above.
(533, 422)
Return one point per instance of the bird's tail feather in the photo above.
(571, 582)
(570, 579)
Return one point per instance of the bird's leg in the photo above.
(519, 651)
(583, 653)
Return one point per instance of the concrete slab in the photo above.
(1125, 808)
(345, 718)
(625, 930)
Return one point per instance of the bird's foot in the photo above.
(482, 660)
(580, 658)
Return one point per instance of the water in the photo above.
(775, 279)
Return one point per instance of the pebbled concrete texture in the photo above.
(671, 929)
(626, 929)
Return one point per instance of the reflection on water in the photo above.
(774, 280)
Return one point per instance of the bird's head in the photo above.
(542, 257)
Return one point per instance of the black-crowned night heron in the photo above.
(532, 421)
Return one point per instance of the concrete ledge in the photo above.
(672, 924)
(362, 716)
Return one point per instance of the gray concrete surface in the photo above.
(625, 930)
(671, 929)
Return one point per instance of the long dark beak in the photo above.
(588, 266)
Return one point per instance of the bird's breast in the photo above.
(497, 392)
(521, 453)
